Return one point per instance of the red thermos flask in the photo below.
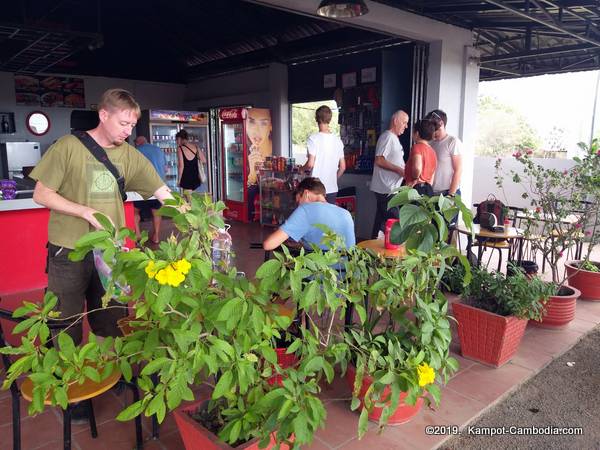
(386, 235)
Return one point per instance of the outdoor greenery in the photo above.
(304, 124)
(195, 322)
(514, 295)
(565, 205)
(502, 129)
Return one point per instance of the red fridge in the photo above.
(245, 144)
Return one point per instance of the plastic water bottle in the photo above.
(221, 250)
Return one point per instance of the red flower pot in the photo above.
(560, 309)
(402, 414)
(588, 283)
(487, 337)
(196, 437)
(284, 360)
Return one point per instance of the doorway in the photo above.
(304, 124)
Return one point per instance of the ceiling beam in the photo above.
(553, 26)
(536, 53)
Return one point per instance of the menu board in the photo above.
(49, 91)
(179, 116)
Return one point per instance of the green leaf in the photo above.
(93, 237)
(434, 390)
(412, 214)
(106, 224)
(22, 326)
(268, 268)
(92, 373)
(363, 422)
(355, 404)
(156, 365)
(65, 344)
(133, 410)
(223, 385)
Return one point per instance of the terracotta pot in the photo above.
(487, 337)
(196, 437)
(284, 360)
(586, 281)
(402, 414)
(560, 309)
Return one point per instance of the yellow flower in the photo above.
(170, 276)
(151, 269)
(426, 374)
(183, 265)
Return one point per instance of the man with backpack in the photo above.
(77, 177)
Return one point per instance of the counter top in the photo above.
(28, 203)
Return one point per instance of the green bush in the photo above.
(516, 295)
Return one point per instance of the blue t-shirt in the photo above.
(156, 157)
(300, 225)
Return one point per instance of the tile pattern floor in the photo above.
(470, 392)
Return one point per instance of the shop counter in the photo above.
(23, 238)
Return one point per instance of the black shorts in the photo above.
(78, 287)
(147, 204)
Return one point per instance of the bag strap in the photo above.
(100, 154)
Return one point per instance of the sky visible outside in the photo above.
(563, 100)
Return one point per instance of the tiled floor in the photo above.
(470, 392)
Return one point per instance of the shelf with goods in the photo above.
(277, 189)
(168, 144)
(360, 127)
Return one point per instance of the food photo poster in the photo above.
(49, 91)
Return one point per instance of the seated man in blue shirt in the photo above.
(313, 209)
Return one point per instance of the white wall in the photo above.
(147, 93)
(484, 182)
(265, 87)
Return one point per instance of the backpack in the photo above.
(490, 213)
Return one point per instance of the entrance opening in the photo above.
(304, 124)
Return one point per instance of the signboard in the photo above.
(200, 118)
(49, 91)
(233, 114)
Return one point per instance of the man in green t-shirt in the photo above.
(74, 185)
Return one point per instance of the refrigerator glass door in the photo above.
(233, 151)
(164, 137)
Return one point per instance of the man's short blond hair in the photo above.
(323, 114)
(120, 100)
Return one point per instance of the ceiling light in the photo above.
(342, 8)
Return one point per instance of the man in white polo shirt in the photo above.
(388, 171)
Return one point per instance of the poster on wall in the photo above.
(259, 139)
(329, 80)
(349, 80)
(368, 75)
(49, 91)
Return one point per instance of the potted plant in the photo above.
(564, 210)
(193, 322)
(585, 274)
(399, 351)
(494, 311)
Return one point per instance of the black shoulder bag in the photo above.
(100, 154)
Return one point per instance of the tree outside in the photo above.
(304, 124)
(502, 129)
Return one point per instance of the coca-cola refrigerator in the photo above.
(160, 126)
(246, 143)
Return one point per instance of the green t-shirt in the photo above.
(73, 172)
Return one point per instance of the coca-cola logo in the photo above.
(232, 114)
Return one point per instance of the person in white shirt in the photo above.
(449, 158)
(389, 167)
(325, 154)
